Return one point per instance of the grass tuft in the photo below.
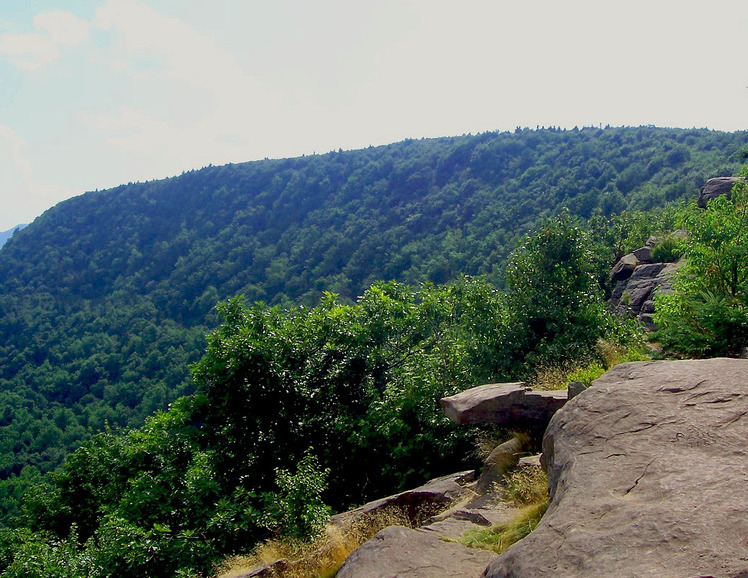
(498, 538)
(527, 486)
(607, 355)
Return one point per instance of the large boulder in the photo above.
(716, 187)
(648, 477)
(416, 505)
(512, 405)
(624, 268)
(399, 551)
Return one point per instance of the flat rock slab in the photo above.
(417, 505)
(648, 474)
(507, 404)
(398, 551)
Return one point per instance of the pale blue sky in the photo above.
(95, 93)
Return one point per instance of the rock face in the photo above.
(416, 505)
(624, 268)
(648, 475)
(635, 295)
(507, 404)
(714, 188)
(399, 551)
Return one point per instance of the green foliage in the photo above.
(557, 312)
(702, 324)
(106, 298)
(707, 313)
(297, 510)
(668, 250)
(360, 383)
(587, 374)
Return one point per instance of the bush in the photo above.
(668, 250)
(297, 510)
(556, 307)
(707, 312)
(702, 325)
(586, 375)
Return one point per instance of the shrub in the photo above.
(586, 375)
(668, 250)
(297, 510)
(707, 312)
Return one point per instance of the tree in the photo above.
(556, 310)
(707, 312)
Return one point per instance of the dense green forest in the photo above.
(302, 409)
(106, 298)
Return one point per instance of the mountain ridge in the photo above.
(105, 299)
(5, 235)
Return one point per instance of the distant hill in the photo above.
(105, 299)
(5, 235)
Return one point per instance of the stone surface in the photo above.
(624, 268)
(416, 505)
(575, 388)
(714, 188)
(648, 474)
(398, 551)
(635, 296)
(507, 404)
(644, 254)
(502, 459)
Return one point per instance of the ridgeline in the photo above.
(106, 298)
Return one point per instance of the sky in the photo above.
(96, 93)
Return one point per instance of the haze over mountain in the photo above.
(5, 235)
(105, 299)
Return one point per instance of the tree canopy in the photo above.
(106, 298)
(707, 312)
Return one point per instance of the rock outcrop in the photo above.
(716, 187)
(417, 505)
(637, 279)
(635, 296)
(512, 405)
(399, 551)
(413, 507)
(648, 476)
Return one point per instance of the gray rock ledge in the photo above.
(648, 475)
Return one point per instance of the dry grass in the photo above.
(486, 441)
(550, 377)
(527, 485)
(527, 488)
(321, 558)
(608, 354)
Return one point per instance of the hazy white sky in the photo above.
(95, 93)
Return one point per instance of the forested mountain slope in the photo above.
(105, 298)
